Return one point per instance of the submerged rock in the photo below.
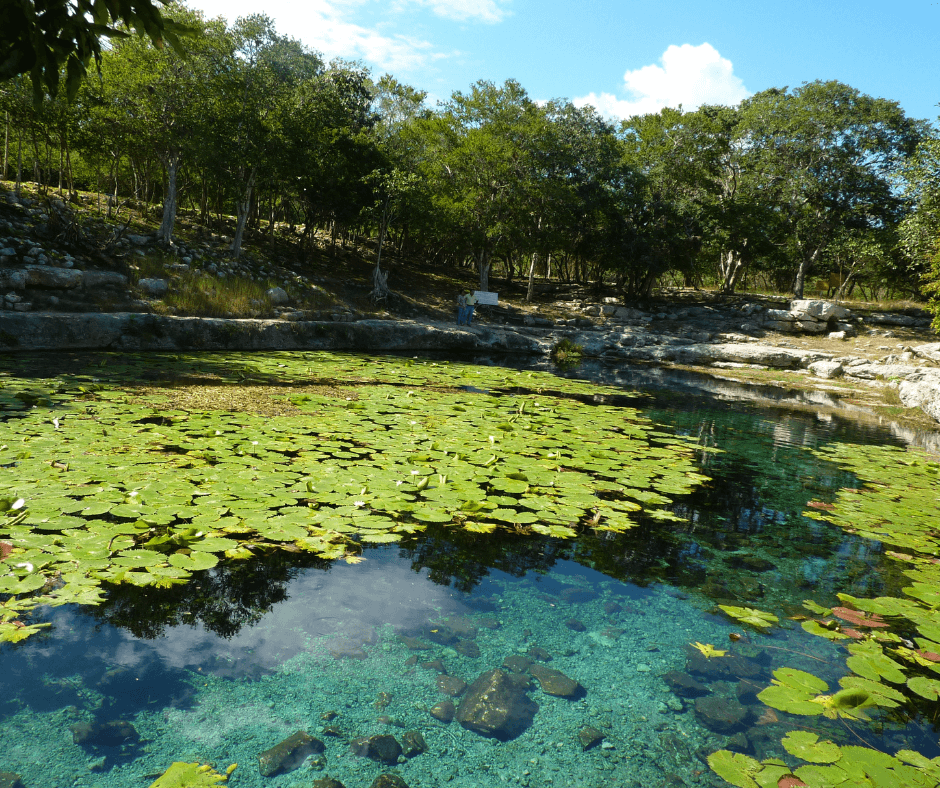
(10, 780)
(414, 644)
(381, 747)
(517, 663)
(540, 654)
(103, 734)
(413, 743)
(289, 754)
(445, 711)
(451, 685)
(468, 648)
(496, 707)
(589, 737)
(575, 625)
(462, 627)
(554, 682)
(722, 715)
(388, 781)
(684, 685)
(327, 782)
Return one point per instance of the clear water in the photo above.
(221, 670)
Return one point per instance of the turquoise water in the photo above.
(226, 667)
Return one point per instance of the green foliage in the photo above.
(39, 38)
(566, 352)
(151, 495)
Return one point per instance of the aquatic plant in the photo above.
(150, 487)
(895, 502)
(566, 352)
(751, 616)
(191, 775)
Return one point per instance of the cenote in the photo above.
(454, 574)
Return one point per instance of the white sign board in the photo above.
(483, 297)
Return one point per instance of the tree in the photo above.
(920, 230)
(827, 158)
(39, 37)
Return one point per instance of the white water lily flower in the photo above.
(27, 564)
(359, 503)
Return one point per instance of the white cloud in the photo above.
(323, 25)
(689, 75)
(463, 10)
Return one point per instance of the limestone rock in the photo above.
(516, 663)
(719, 714)
(779, 315)
(684, 685)
(388, 781)
(153, 288)
(554, 682)
(14, 278)
(48, 277)
(922, 390)
(445, 711)
(92, 280)
(803, 309)
(139, 240)
(451, 685)
(826, 369)
(930, 352)
(494, 706)
(327, 782)
(468, 648)
(277, 296)
(289, 754)
(590, 737)
(413, 744)
(103, 734)
(575, 626)
(381, 747)
(10, 780)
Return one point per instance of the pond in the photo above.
(321, 566)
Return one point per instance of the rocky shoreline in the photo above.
(914, 372)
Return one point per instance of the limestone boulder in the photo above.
(104, 734)
(277, 296)
(496, 707)
(153, 288)
(289, 754)
(52, 278)
(803, 309)
(826, 369)
(554, 682)
(722, 715)
(14, 278)
(930, 352)
(922, 390)
(93, 280)
(382, 747)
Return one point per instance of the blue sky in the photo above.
(626, 57)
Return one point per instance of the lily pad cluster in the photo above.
(121, 486)
(892, 642)
(828, 765)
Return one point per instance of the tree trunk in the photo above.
(19, 161)
(242, 207)
(530, 293)
(6, 144)
(165, 233)
(380, 289)
(806, 263)
(484, 263)
(731, 267)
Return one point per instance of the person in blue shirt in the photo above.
(461, 308)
